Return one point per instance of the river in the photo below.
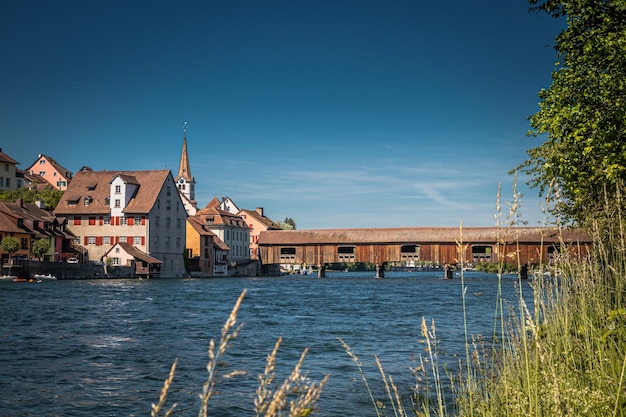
(104, 347)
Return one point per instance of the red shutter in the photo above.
(129, 240)
(117, 239)
(101, 220)
(143, 240)
(131, 221)
(86, 240)
(117, 220)
(77, 221)
(143, 220)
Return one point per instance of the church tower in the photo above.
(184, 180)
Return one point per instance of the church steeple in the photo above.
(184, 180)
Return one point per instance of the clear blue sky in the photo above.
(334, 113)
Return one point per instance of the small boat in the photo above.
(42, 277)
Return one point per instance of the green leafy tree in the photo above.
(287, 224)
(10, 244)
(50, 196)
(40, 246)
(582, 115)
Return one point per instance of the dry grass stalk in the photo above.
(156, 409)
(229, 332)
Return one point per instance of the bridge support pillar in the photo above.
(380, 270)
(321, 271)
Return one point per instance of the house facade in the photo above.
(30, 222)
(51, 171)
(141, 208)
(257, 223)
(125, 254)
(229, 228)
(207, 254)
(8, 173)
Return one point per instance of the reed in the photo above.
(564, 357)
(296, 396)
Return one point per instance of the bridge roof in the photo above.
(405, 235)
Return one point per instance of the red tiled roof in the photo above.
(96, 185)
(136, 253)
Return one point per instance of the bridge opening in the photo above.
(409, 255)
(287, 254)
(482, 253)
(346, 253)
(553, 251)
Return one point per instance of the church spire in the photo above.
(184, 179)
(184, 171)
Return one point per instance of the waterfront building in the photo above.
(28, 222)
(51, 171)
(125, 254)
(207, 254)
(8, 173)
(141, 208)
(229, 228)
(257, 223)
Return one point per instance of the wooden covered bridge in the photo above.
(437, 245)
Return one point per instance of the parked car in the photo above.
(72, 260)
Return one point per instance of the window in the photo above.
(168, 190)
(77, 221)
(61, 183)
(8, 182)
(123, 221)
(117, 203)
(91, 240)
(118, 189)
(167, 222)
(106, 240)
(42, 173)
(178, 223)
(122, 239)
(23, 243)
(137, 240)
(107, 220)
(1, 181)
(87, 200)
(107, 201)
(115, 261)
(168, 204)
(156, 221)
(42, 161)
(137, 221)
(167, 241)
(178, 242)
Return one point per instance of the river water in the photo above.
(104, 347)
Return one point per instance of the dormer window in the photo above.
(88, 200)
(107, 201)
(91, 187)
(72, 202)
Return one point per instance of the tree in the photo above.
(11, 245)
(48, 195)
(287, 224)
(583, 113)
(40, 246)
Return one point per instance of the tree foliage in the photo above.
(583, 113)
(40, 247)
(50, 196)
(287, 224)
(10, 244)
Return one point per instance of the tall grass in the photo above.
(566, 357)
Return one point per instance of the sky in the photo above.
(337, 114)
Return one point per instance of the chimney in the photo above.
(259, 210)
